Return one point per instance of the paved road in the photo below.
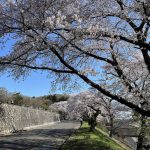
(42, 138)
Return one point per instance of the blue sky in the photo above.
(36, 84)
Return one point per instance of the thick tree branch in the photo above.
(35, 67)
(131, 41)
(99, 88)
(146, 58)
(86, 52)
(92, 107)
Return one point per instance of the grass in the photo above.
(85, 140)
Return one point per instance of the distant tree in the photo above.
(61, 108)
(62, 114)
(87, 106)
(56, 97)
(45, 104)
(4, 96)
(63, 97)
(17, 99)
(114, 111)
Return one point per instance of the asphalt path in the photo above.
(48, 137)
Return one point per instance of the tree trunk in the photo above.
(111, 126)
(92, 126)
(93, 122)
(142, 133)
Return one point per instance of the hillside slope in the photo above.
(85, 140)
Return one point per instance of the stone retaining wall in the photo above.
(14, 118)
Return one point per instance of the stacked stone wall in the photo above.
(15, 118)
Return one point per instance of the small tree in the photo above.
(4, 96)
(61, 108)
(17, 99)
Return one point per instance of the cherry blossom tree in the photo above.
(87, 106)
(77, 40)
(114, 111)
(61, 107)
(139, 94)
(4, 95)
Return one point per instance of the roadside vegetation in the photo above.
(85, 140)
(42, 102)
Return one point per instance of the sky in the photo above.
(36, 84)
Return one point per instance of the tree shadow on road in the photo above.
(44, 139)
